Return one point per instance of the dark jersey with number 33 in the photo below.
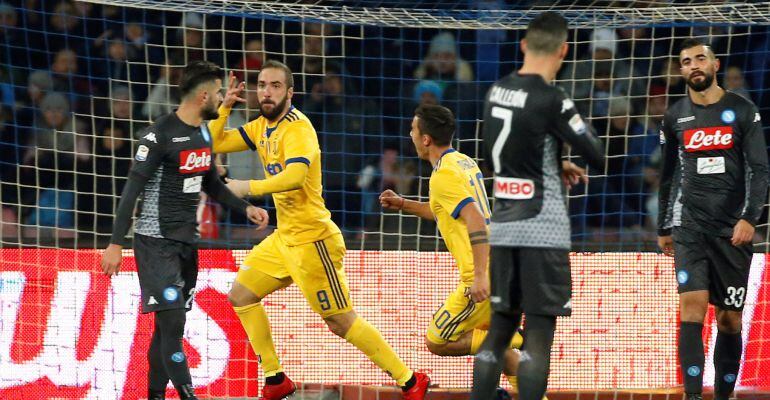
(526, 123)
(721, 151)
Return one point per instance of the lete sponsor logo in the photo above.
(711, 138)
(196, 160)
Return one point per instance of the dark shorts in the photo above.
(710, 262)
(531, 280)
(167, 272)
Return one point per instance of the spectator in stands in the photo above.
(594, 79)
(735, 82)
(251, 63)
(671, 79)
(58, 150)
(39, 83)
(164, 94)
(65, 29)
(14, 60)
(112, 160)
(120, 113)
(311, 61)
(390, 171)
(125, 59)
(623, 189)
(427, 92)
(347, 127)
(67, 80)
(9, 191)
(190, 40)
(442, 63)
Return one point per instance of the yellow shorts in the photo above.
(315, 267)
(457, 316)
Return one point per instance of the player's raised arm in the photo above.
(230, 140)
(392, 201)
(301, 148)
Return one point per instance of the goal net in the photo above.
(79, 80)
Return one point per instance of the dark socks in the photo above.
(276, 379)
(691, 357)
(727, 359)
(536, 357)
(488, 363)
(170, 323)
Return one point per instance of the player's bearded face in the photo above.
(271, 109)
(210, 110)
(698, 67)
(701, 79)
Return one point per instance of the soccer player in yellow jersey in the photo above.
(458, 203)
(307, 247)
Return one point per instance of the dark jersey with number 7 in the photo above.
(526, 123)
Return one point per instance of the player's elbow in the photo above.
(296, 174)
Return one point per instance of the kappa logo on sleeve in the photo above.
(151, 137)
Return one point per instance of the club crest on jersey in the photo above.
(711, 138)
(728, 116)
(205, 133)
(141, 153)
(196, 160)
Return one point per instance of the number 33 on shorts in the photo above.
(735, 296)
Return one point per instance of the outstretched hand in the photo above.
(234, 91)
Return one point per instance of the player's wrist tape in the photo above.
(401, 207)
(479, 237)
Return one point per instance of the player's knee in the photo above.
(435, 348)
(729, 322)
(239, 297)
(340, 324)
(693, 308)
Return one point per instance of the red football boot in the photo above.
(417, 392)
(279, 391)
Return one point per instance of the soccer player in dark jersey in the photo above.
(527, 122)
(172, 164)
(708, 212)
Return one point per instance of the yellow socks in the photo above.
(369, 340)
(477, 339)
(254, 320)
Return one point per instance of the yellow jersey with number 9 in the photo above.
(301, 213)
(457, 181)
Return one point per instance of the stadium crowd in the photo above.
(78, 80)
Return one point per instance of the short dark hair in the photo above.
(692, 42)
(436, 121)
(197, 73)
(285, 68)
(546, 33)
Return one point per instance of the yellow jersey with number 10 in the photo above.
(301, 213)
(455, 182)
